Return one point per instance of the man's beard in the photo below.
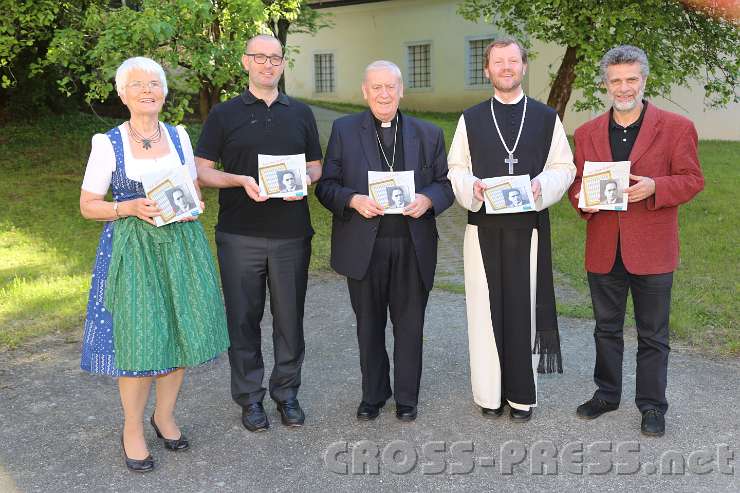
(516, 83)
(629, 105)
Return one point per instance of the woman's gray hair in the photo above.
(139, 63)
(384, 65)
(624, 54)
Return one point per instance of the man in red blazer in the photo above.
(637, 249)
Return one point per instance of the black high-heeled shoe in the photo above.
(176, 444)
(137, 465)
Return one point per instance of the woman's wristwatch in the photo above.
(115, 209)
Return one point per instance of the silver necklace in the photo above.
(146, 142)
(393, 159)
(511, 161)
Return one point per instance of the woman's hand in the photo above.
(194, 218)
(144, 209)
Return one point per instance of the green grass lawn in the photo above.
(47, 249)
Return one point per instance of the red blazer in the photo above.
(665, 150)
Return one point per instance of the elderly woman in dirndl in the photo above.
(155, 306)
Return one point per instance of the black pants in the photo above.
(506, 261)
(392, 283)
(247, 264)
(651, 295)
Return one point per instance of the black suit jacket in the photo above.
(351, 153)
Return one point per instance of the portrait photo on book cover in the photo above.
(514, 197)
(610, 193)
(180, 200)
(288, 182)
(397, 197)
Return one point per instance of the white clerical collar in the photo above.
(514, 101)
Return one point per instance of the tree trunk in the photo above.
(208, 97)
(204, 101)
(215, 97)
(280, 31)
(562, 86)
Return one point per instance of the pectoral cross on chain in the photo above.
(511, 161)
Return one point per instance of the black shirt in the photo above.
(622, 139)
(509, 118)
(235, 132)
(391, 225)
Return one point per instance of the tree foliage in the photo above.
(199, 42)
(294, 16)
(26, 28)
(682, 43)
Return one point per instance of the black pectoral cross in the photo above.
(511, 161)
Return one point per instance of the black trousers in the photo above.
(248, 264)
(651, 295)
(392, 283)
(506, 261)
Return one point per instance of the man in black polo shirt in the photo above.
(259, 240)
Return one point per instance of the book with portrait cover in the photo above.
(174, 192)
(603, 185)
(282, 176)
(508, 194)
(392, 190)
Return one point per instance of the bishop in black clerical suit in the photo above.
(512, 324)
(389, 260)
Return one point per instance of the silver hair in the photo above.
(384, 65)
(624, 54)
(139, 63)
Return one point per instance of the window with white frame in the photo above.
(323, 67)
(419, 66)
(476, 61)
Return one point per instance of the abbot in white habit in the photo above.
(512, 323)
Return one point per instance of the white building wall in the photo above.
(366, 32)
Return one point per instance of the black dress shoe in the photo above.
(493, 413)
(291, 413)
(367, 411)
(136, 465)
(519, 415)
(405, 413)
(254, 417)
(653, 423)
(594, 408)
(176, 444)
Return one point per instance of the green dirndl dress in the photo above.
(155, 302)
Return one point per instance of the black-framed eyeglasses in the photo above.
(275, 60)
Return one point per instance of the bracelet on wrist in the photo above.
(115, 209)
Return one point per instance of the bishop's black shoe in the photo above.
(405, 413)
(594, 408)
(493, 413)
(291, 413)
(367, 411)
(254, 417)
(653, 423)
(519, 415)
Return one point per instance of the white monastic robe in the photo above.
(555, 177)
